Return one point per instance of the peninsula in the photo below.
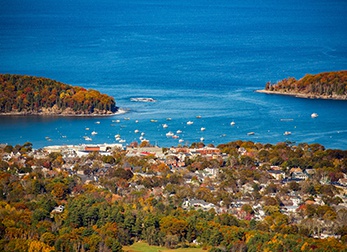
(29, 95)
(327, 85)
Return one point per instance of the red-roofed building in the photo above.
(92, 148)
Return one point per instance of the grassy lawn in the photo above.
(144, 247)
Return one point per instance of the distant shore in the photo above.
(304, 96)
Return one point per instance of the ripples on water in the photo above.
(193, 57)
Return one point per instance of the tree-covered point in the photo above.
(37, 95)
(328, 84)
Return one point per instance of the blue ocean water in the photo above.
(194, 57)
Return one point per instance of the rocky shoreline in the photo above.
(304, 96)
(63, 113)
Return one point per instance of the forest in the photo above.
(46, 206)
(21, 94)
(329, 84)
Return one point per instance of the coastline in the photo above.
(62, 114)
(304, 96)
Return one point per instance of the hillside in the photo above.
(20, 94)
(328, 85)
(247, 197)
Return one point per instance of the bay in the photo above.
(194, 57)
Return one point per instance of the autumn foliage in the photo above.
(126, 207)
(330, 84)
(35, 95)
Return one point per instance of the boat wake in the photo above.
(121, 111)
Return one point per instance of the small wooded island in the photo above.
(29, 95)
(328, 85)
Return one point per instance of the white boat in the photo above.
(189, 123)
(286, 133)
(97, 122)
(136, 131)
(175, 136)
(141, 99)
(94, 133)
(136, 121)
(250, 133)
(87, 139)
(181, 141)
(142, 133)
(117, 136)
(178, 131)
(126, 118)
(122, 141)
(87, 128)
(153, 120)
(165, 125)
(198, 116)
(169, 134)
(202, 139)
(117, 121)
(314, 115)
(203, 129)
(168, 119)
(232, 123)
